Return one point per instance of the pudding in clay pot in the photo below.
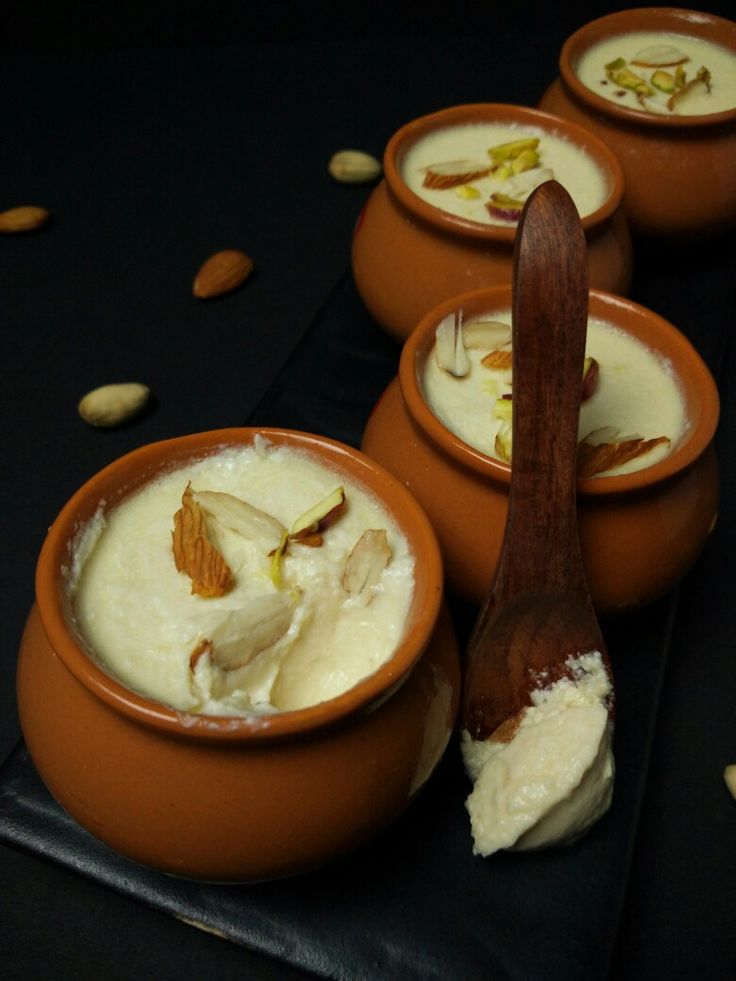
(238, 666)
(444, 218)
(648, 482)
(659, 86)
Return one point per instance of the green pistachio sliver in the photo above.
(509, 151)
(664, 81)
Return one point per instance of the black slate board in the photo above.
(414, 903)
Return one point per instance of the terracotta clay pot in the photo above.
(678, 170)
(640, 532)
(234, 798)
(408, 255)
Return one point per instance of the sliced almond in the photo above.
(222, 273)
(241, 517)
(449, 346)
(498, 360)
(598, 457)
(451, 173)
(251, 628)
(24, 218)
(701, 79)
(659, 56)
(486, 335)
(194, 553)
(202, 648)
(364, 565)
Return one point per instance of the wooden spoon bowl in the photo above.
(538, 614)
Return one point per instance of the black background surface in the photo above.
(158, 133)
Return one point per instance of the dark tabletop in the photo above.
(158, 136)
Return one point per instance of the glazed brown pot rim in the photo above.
(450, 224)
(366, 695)
(675, 19)
(661, 336)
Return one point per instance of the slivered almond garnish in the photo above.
(241, 517)
(451, 173)
(499, 360)
(251, 628)
(485, 335)
(702, 77)
(194, 553)
(596, 455)
(449, 345)
(363, 567)
(659, 56)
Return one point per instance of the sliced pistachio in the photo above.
(502, 407)
(467, 192)
(664, 81)
(629, 80)
(526, 160)
(502, 443)
(509, 151)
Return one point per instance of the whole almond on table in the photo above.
(354, 167)
(221, 273)
(24, 218)
(109, 405)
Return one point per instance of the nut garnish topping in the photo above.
(449, 348)
(250, 629)
(354, 167)
(499, 359)
(241, 517)
(222, 273)
(598, 453)
(483, 335)
(109, 405)
(451, 173)
(659, 56)
(366, 561)
(24, 218)
(194, 553)
(307, 528)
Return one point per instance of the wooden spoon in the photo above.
(538, 612)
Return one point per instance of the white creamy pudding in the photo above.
(667, 73)
(484, 172)
(632, 412)
(554, 778)
(253, 580)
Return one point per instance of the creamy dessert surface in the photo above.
(644, 70)
(554, 778)
(635, 395)
(141, 620)
(558, 158)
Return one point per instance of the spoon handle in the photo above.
(549, 325)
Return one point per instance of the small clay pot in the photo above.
(640, 532)
(245, 798)
(678, 170)
(408, 255)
